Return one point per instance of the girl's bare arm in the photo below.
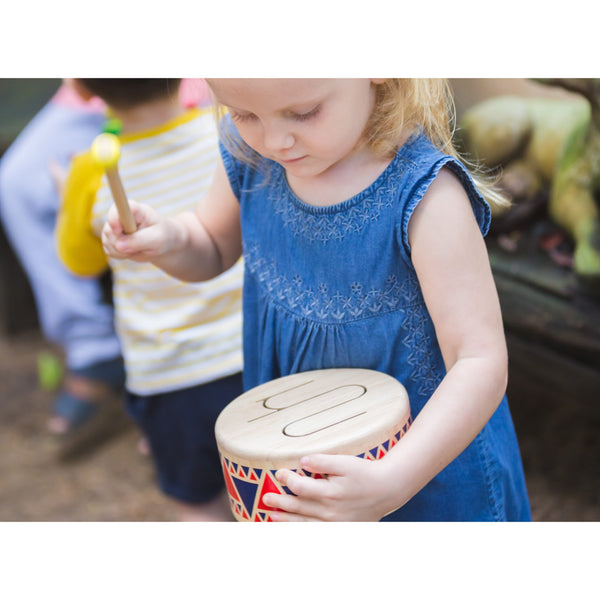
(452, 264)
(451, 261)
(193, 246)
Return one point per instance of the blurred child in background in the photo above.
(72, 311)
(181, 342)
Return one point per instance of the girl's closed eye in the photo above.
(242, 117)
(307, 115)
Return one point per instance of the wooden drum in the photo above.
(333, 411)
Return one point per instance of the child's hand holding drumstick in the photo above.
(106, 152)
(157, 239)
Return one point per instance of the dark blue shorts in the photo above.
(179, 427)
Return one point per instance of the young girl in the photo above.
(362, 239)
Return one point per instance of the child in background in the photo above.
(181, 342)
(362, 236)
(72, 311)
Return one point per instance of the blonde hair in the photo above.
(234, 143)
(403, 107)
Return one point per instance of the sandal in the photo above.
(88, 409)
(73, 412)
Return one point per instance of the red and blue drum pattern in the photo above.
(247, 485)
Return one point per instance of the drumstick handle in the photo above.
(120, 198)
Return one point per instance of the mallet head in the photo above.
(106, 150)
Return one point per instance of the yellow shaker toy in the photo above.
(106, 151)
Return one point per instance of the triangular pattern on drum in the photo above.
(244, 483)
(229, 484)
(268, 486)
(305, 473)
(247, 491)
(287, 490)
(371, 454)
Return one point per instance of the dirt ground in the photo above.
(560, 447)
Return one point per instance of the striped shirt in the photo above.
(174, 334)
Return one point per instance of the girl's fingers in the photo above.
(301, 485)
(306, 493)
(146, 242)
(113, 221)
(142, 215)
(291, 508)
(328, 464)
(287, 517)
(336, 491)
(324, 466)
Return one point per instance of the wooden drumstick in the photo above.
(106, 151)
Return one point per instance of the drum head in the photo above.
(333, 411)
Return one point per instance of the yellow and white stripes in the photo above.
(174, 334)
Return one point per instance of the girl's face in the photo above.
(306, 125)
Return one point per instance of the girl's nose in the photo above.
(278, 138)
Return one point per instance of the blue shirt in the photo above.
(334, 286)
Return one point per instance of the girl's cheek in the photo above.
(251, 140)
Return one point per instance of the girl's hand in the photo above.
(352, 489)
(152, 238)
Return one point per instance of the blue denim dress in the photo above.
(334, 286)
